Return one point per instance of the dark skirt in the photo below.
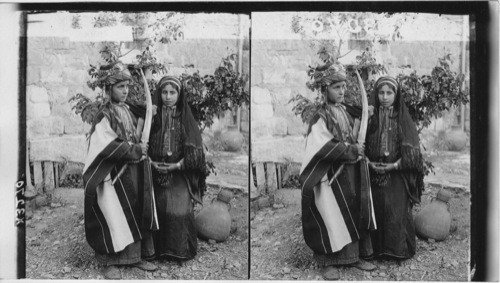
(395, 234)
(354, 251)
(176, 237)
(138, 250)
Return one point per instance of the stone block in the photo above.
(279, 126)
(78, 61)
(59, 149)
(261, 128)
(302, 62)
(261, 112)
(257, 76)
(278, 61)
(37, 94)
(282, 95)
(41, 110)
(296, 77)
(261, 58)
(59, 92)
(55, 60)
(52, 75)
(284, 110)
(36, 57)
(32, 75)
(261, 96)
(45, 126)
(273, 76)
(274, 149)
(295, 127)
(61, 107)
(73, 124)
(30, 110)
(72, 76)
(59, 43)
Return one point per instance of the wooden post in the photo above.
(38, 176)
(261, 177)
(48, 176)
(272, 183)
(30, 188)
(254, 192)
(56, 175)
(280, 180)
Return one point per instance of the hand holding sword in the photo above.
(147, 124)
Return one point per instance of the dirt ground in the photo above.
(279, 252)
(56, 247)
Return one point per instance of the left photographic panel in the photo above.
(137, 134)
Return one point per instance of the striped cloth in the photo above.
(329, 219)
(115, 214)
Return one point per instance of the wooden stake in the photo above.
(272, 183)
(261, 177)
(38, 174)
(48, 176)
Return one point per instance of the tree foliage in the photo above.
(211, 95)
(208, 95)
(335, 29)
(426, 96)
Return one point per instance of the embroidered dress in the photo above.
(175, 138)
(393, 136)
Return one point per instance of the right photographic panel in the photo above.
(360, 146)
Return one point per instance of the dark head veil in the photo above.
(194, 157)
(408, 139)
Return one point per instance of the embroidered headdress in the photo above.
(323, 76)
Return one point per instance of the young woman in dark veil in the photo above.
(396, 164)
(179, 170)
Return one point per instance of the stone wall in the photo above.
(278, 73)
(57, 70)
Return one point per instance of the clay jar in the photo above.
(232, 140)
(214, 221)
(456, 139)
(434, 220)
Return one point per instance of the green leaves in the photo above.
(211, 95)
(208, 95)
(428, 96)
(85, 107)
(305, 107)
